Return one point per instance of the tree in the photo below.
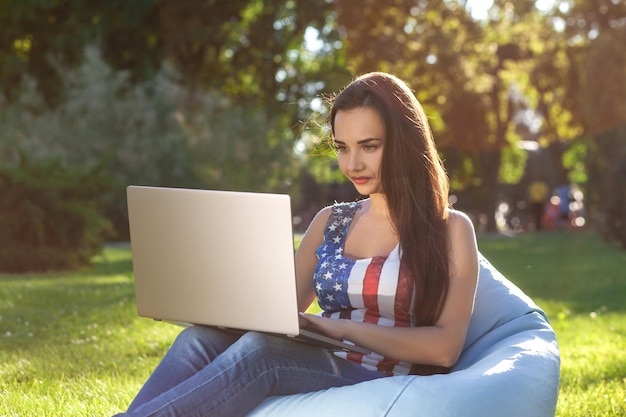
(253, 52)
(594, 32)
(250, 50)
(463, 72)
(36, 35)
(241, 63)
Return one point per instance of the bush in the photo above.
(101, 116)
(50, 216)
(606, 187)
(155, 132)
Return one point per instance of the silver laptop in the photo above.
(217, 258)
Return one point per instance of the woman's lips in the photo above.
(360, 180)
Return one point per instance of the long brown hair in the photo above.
(414, 182)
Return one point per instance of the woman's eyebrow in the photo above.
(361, 142)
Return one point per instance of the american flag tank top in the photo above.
(374, 290)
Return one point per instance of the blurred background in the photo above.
(527, 101)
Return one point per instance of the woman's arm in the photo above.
(306, 260)
(440, 344)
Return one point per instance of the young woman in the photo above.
(395, 273)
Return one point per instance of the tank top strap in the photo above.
(337, 227)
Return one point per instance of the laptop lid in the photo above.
(215, 258)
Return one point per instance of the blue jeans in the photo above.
(210, 372)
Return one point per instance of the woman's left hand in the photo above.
(330, 327)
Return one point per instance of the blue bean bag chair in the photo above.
(510, 366)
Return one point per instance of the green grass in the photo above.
(72, 344)
(581, 283)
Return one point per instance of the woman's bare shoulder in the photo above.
(459, 223)
(315, 231)
(458, 216)
(463, 249)
(321, 218)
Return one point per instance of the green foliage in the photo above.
(574, 161)
(249, 50)
(52, 216)
(564, 65)
(153, 133)
(36, 33)
(468, 75)
(101, 116)
(606, 186)
(472, 77)
(236, 147)
(240, 76)
(513, 164)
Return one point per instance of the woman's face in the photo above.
(359, 139)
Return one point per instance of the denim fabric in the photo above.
(210, 372)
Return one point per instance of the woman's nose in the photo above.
(354, 161)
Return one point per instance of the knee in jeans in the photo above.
(194, 338)
(262, 343)
(191, 334)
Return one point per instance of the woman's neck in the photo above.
(378, 206)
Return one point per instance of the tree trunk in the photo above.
(490, 164)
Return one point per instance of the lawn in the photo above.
(72, 345)
(581, 283)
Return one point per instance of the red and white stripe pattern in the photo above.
(374, 290)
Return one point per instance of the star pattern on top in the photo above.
(332, 273)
